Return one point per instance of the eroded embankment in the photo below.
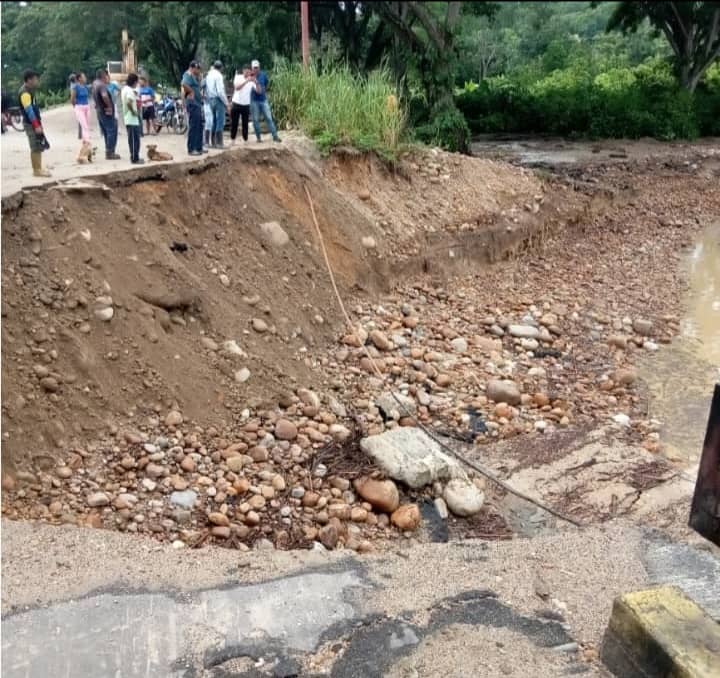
(165, 289)
(172, 367)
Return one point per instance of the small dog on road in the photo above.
(157, 156)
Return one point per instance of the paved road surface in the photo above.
(95, 603)
(61, 129)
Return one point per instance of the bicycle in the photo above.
(12, 117)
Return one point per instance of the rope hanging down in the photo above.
(480, 469)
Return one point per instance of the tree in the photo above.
(691, 28)
(430, 36)
(58, 38)
(425, 32)
(481, 46)
(174, 31)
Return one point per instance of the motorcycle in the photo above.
(171, 115)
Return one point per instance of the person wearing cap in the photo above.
(217, 97)
(32, 123)
(190, 86)
(259, 103)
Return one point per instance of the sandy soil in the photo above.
(61, 129)
(41, 566)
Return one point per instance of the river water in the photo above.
(681, 376)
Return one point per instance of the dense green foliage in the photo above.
(639, 101)
(447, 128)
(538, 67)
(692, 30)
(337, 107)
(556, 70)
(58, 38)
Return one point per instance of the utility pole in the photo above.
(305, 31)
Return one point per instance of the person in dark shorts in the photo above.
(147, 101)
(32, 122)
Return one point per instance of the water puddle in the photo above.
(532, 152)
(681, 377)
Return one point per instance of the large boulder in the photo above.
(409, 455)
(463, 497)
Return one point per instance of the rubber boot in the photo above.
(36, 161)
(219, 143)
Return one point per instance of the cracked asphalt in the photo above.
(528, 606)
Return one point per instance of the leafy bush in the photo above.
(619, 102)
(447, 128)
(336, 107)
(49, 99)
(707, 102)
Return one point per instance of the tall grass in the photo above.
(337, 107)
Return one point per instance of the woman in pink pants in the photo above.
(80, 97)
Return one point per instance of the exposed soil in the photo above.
(109, 334)
(63, 250)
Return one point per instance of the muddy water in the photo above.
(681, 377)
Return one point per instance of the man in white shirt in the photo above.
(244, 84)
(217, 98)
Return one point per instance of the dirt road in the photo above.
(61, 130)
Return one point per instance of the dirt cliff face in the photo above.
(174, 363)
(164, 289)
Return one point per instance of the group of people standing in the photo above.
(204, 98)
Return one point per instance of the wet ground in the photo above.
(681, 377)
(557, 152)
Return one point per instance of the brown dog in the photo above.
(157, 156)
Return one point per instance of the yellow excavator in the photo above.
(119, 70)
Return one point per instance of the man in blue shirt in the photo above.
(193, 105)
(259, 103)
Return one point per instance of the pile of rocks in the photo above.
(183, 483)
(546, 366)
(441, 357)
